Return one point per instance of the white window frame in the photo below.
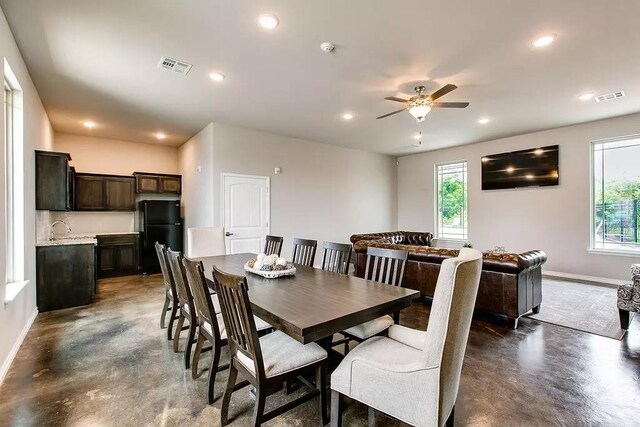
(436, 201)
(13, 145)
(592, 201)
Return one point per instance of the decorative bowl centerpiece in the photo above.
(270, 266)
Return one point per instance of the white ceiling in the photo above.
(97, 59)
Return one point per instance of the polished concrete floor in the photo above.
(110, 364)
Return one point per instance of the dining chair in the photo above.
(205, 241)
(273, 245)
(210, 323)
(268, 361)
(187, 309)
(170, 296)
(336, 257)
(385, 266)
(412, 375)
(304, 252)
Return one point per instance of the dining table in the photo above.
(313, 304)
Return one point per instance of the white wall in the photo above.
(16, 316)
(109, 156)
(325, 192)
(554, 219)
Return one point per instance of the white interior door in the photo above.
(246, 212)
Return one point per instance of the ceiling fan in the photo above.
(420, 105)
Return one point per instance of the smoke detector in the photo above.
(174, 65)
(327, 47)
(610, 96)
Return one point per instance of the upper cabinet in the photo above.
(104, 193)
(54, 181)
(158, 183)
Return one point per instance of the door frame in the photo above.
(223, 175)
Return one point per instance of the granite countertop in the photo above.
(79, 239)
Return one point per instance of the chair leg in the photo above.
(371, 417)
(174, 311)
(449, 422)
(190, 341)
(226, 399)
(165, 308)
(196, 356)
(336, 409)
(625, 318)
(512, 322)
(258, 409)
(321, 384)
(176, 335)
(536, 309)
(215, 362)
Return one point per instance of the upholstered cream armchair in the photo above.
(413, 375)
(205, 241)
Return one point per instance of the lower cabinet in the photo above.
(117, 255)
(65, 276)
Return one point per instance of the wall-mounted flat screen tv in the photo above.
(536, 167)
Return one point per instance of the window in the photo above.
(451, 201)
(615, 195)
(13, 188)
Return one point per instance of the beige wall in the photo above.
(196, 167)
(15, 317)
(554, 219)
(324, 192)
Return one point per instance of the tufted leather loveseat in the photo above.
(510, 284)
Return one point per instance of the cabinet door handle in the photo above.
(228, 234)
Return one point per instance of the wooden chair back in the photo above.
(385, 265)
(233, 294)
(304, 252)
(185, 297)
(161, 251)
(201, 294)
(273, 245)
(336, 257)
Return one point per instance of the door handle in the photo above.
(228, 234)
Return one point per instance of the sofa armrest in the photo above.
(531, 259)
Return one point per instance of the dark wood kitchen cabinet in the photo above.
(65, 276)
(117, 255)
(158, 183)
(104, 193)
(54, 181)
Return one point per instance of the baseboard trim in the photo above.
(16, 346)
(585, 279)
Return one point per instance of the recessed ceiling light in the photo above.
(484, 120)
(586, 96)
(89, 124)
(217, 77)
(347, 116)
(160, 135)
(268, 21)
(543, 41)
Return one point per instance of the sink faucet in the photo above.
(58, 222)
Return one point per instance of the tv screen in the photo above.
(536, 167)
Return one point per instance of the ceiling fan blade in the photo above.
(449, 104)
(394, 98)
(391, 114)
(441, 92)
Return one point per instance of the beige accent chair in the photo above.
(413, 375)
(205, 241)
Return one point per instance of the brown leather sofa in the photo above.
(510, 284)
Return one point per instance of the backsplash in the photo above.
(43, 225)
(95, 222)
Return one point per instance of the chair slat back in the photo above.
(169, 286)
(385, 265)
(304, 252)
(201, 296)
(233, 294)
(273, 245)
(185, 297)
(336, 257)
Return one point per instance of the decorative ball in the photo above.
(280, 267)
(267, 267)
(270, 260)
(260, 258)
(281, 262)
(251, 263)
(257, 265)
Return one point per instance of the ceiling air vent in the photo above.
(174, 65)
(609, 96)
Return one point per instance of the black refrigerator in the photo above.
(159, 222)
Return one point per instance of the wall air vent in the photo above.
(174, 65)
(610, 96)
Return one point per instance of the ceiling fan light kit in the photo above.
(420, 105)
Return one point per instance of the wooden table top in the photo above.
(313, 304)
